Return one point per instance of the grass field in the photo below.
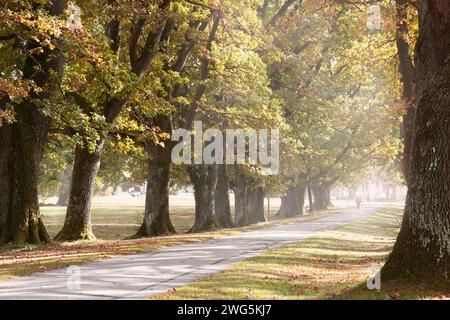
(119, 217)
(334, 264)
(113, 220)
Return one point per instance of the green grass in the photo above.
(116, 222)
(334, 264)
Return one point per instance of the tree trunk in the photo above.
(64, 190)
(6, 181)
(255, 205)
(293, 203)
(156, 216)
(29, 138)
(111, 110)
(407, 71)
(321, 199)
(77, 224)
(422, 249)
(310, 200)
(204, 179)
(240, 200)
(222, 198)
(25, 141)
(249, 201)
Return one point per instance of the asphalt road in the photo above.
(145, 274)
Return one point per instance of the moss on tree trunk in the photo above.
(156, 216)
(77, 224)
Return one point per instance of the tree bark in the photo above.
(281, 12)
(6, 181)
(255, 205)
(407, 72)
(249, 201)
(77, 224)
(240, 189)
(24, 142)
(293, 202)
(29, 138)
(156, 216)
(222, 198)
(321, 197)
(204, 179)
(422, 249)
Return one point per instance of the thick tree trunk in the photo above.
(240, 200)
(422, 249)
(29, 138)
(6, 181)
(204, 179)
(77, 224)
(24, 143)
(293, 203)
(255, 205)
(321, 197)
(64, 190)
(156, 216)
(222, 198)
(249, 201)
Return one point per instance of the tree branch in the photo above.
(195, 102)
(8, 37)
(281, 12)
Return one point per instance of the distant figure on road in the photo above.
(358, 200)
